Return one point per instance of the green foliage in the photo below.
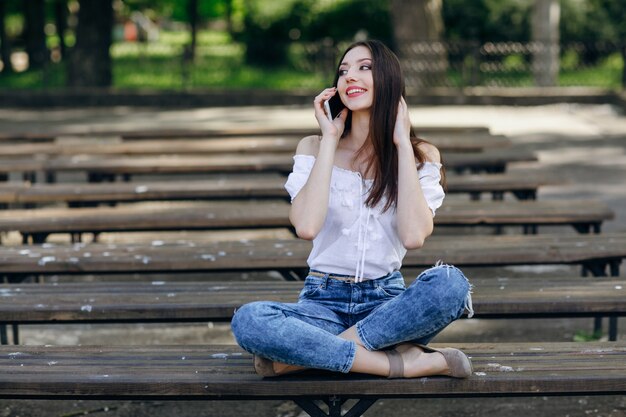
(583, 336)
(347, 19)
(270, 26)
(487, 20)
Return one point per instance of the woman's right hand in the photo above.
(332, 129)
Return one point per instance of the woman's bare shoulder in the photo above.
(309, 145)
(430, 151)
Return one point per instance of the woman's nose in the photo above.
(351, 75)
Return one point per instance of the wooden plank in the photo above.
(163, 301)
(209, 132)
(255, 214)
(265, 185)
(226, 372)
(277, 254)
(217, 145)
(495, 160)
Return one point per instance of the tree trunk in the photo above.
(192, 13)
(229, 17)
(623, 67)
(5, 48)
(34, 34)
(60, 20)
(418, 28)
(545, 37)
(90, 60)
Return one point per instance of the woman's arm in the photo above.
(309, 207)
(414, 217)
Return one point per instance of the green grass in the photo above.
(220, 64)
(584, 336)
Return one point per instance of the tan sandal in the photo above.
(458, 363)
(264, 367)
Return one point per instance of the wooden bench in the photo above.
(101, 168)
(584, 215)
(197, 301)
(522, 184)
(255, 131)
(183, 372)
(113, 147)
(599, 254)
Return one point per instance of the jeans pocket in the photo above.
(391, 289)
(309, 290)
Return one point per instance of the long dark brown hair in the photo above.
(388, 88)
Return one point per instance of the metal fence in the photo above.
(497, 64)
(426, 64)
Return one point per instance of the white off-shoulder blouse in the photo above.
(356, 239)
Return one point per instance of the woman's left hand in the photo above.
(402, 129)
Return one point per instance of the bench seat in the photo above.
(216, 301)
(279, 143)
(223, 372)
(601, 254)
(523, 184)
(32, 136)
(584, 215)
(596, 252)
(104, 167)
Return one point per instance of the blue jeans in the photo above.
(384, 311)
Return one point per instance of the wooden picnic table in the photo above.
(584, 215)
(522, 184)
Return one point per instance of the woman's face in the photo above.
(355, 83)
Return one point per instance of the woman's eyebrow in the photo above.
(359, 60)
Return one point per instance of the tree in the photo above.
(90, 59)
(545, 36)
(192, 14)
(615, 11)
(5, 49)
(35, 36)
(60, 20)
(418, 29)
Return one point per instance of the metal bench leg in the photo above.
(334, 407)
(16, 334)
(613, 328)
(597, 325)
(4, 340)
(525, 194)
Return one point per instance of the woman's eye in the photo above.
(342, 72)
(366, 67)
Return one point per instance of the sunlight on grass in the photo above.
(219, 63)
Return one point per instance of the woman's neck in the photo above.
(359, 130)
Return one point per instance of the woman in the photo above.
(364, 192)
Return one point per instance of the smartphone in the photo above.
(333, 107)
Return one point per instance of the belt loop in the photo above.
(325, 284)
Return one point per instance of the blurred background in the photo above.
(293, 44)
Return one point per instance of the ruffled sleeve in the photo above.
(302, 165)
(430, 176)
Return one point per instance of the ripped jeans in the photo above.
(384, 311)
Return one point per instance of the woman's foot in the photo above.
(417, 361)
